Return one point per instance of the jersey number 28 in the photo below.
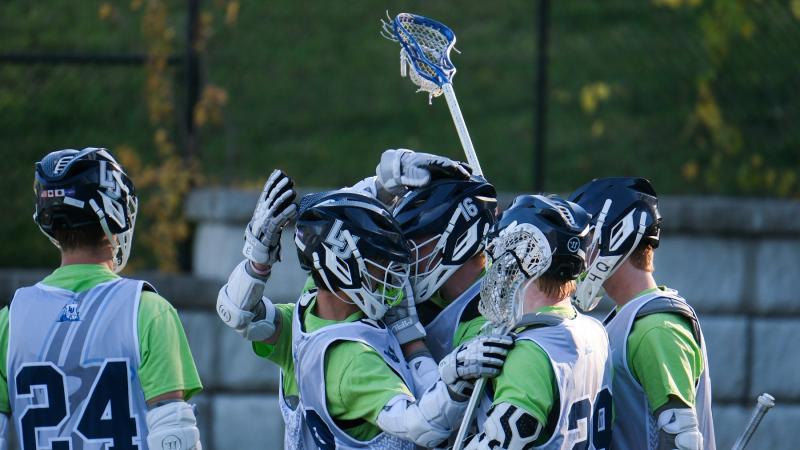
(595, 419)
(106, 417)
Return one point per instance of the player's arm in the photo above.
(167, 374)
(241, 303)
(434, 415)
(667, 361)
(170, 416)
(524, 396)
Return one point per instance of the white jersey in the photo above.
(72, 367)
(308, 351)
(635, 428)
(579, 354)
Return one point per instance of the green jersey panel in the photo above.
(468, 330)
(358, 382)
(280, 352)
(665, 358)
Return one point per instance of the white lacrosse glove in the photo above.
(402, 319)
(242, 306)
(482, 357)
(274, 210)
(679, 430)
(402, 169)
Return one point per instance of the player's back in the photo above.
(72, 367)
(579, 354)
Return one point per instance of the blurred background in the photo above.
(201, 99)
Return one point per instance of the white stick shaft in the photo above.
(461, 127)
(477, 393)
(765, 402)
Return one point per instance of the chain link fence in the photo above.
(699, 96)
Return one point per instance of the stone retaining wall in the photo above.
(734, 260)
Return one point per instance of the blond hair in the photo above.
(642, 257)
(554, 287)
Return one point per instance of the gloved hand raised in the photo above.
(402, 169)
(274, 210)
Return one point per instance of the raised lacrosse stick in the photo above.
(765, 402)
(520, 254)
(426, 46)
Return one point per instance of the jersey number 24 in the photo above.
(106, 416)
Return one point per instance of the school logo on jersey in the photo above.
(70, 313)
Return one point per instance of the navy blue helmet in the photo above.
(352, 244)
(76, 189)
(624, 215)
(564, 224)
(447, 220)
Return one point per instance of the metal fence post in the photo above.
(540, 120)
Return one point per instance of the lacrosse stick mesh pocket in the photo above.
(519, 254)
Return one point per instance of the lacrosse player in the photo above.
(89, 359)
(554, 390)
(662, 390)
(345, 384)
(446, 214)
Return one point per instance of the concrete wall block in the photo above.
(778, 264)
(775, 364)
(684, 263)
(726, 341)
(729, 421)
(777, 430)
(247, 422)
(218, 249)
(239, 368)
(203, 331)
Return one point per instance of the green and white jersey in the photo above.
(358, 382)
(659, 356)
(309, 349)
(102, 346)
(559, 372)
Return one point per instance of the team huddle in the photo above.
(431, 318)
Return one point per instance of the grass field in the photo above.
(314, 90)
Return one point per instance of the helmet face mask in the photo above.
(75, 189)
(355, 247)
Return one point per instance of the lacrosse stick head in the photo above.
(425, 50)
(520, 253)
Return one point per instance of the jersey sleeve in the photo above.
(358, 384)
(664, 357)
(527, 381)
(166, 360)
(5, 406)
(468, 330)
